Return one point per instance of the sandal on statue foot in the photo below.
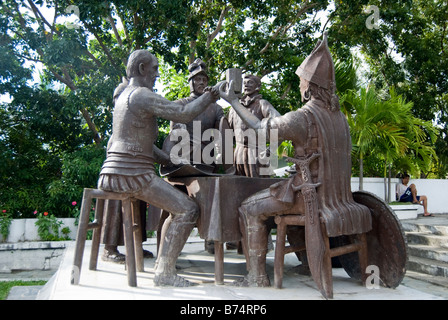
(249, 281)
(147, 254)
(113, 256)
(171, 280)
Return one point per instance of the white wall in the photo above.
(26, 230)
(31, 255)
(435, 189)
(375, 185)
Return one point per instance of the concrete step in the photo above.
(427, 238)
(428, 252)
(24, 293)
(428, 248)
(427, 228)
(428, 266)
(33, 255)
(441, 283)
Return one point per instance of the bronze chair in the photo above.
(132, 233)
(359, 245)
(317, 241)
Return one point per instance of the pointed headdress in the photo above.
(318, 67)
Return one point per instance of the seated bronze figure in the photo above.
(129, 166)
(320, 191)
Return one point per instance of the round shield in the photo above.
(386, 242)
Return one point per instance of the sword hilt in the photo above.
(309, 185)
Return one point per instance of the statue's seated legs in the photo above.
(255, 212)
(176, 229)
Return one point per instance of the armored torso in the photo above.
(130, 151)
(314, 129)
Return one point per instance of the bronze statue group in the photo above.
(318, 130)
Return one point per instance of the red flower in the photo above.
(4, 211)
(74, 203)
(35, 212)
(45, 213)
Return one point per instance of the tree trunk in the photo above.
(389, 182)
(386, 193)
(361, 168)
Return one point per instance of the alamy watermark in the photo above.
(372, 20)
(190, 149)
(72, 9)
(74, 276)
(373, 280)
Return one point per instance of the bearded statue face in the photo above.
(250, 85)
(198, 83)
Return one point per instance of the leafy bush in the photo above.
(80, 170)
(5, 223)
(48, 227)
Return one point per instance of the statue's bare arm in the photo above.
(291, 126)
(268, 109)
(229, 95)
(149, 103)
(161, 156)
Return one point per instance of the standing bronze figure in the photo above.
(208, 119)
(198, 80)
(247, 153)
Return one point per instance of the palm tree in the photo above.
(420, 157)
(388, 129)
(374, 125)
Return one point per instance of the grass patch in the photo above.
(5, 286)
(395, 203)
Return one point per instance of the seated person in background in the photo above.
(407, 193)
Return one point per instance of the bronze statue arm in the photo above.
(290, 126)
(230, 96)
(268, 109)
(191, 110)
(150, 103)
(161, 156)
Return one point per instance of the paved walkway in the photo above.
(110, 282)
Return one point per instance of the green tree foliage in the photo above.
(60, 61)
(408, 50)
(50, 130)
(384, 131)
